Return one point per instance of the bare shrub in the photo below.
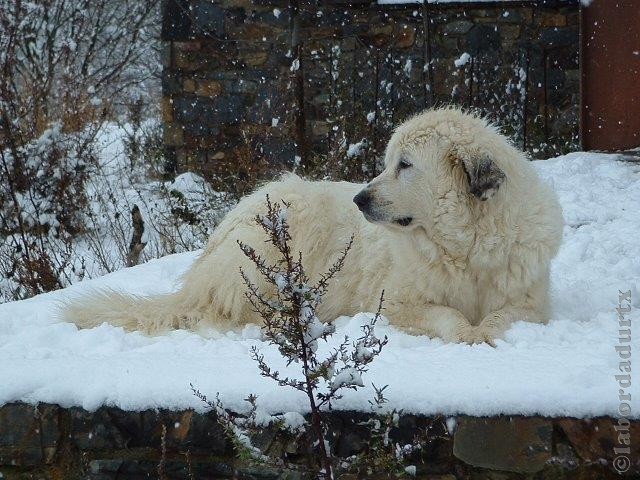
(71, 61)
(41, 197)
(66, 67)
(290, 323)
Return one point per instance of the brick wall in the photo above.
(253, 86)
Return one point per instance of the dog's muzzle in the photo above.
(363, 200)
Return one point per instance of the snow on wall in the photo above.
(566, 368)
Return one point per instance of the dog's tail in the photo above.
(150, 315)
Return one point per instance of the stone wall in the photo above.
(250, 86)
(49, 442)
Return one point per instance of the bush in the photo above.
(290, 323)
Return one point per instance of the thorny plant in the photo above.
(291, 324)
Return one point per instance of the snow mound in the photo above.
(566, 368)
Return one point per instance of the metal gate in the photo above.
(610, 61)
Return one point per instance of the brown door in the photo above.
(610, 75)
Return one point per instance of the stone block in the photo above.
(171, 82)
(110, 466)
(277, 149)
(573, 17)
(28, 434)
(552, 19)
(527, 14)
(510, 33)
(379, 34)
(208, 88)
(116, 469)
(176, 23)
(595, 440)
(482, 38)
(504, 15)
(173, 134)
(405, 36)
(110, 428)
(202, 115)
(573, 78)
(269, 101)
(515, 444)
(252, 31)
(199, 433)
(559, 36)
(208, 18)
(269, 17)
(187, 46)
(320, 128)
(253, 58)
(190, 61)
(189, 85)
(240, 85)
(555, 78)
(565, 58)
(457, 27)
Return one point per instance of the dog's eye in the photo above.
(403, 164)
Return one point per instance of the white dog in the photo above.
(458, 229)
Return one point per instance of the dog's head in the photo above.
(440, 162)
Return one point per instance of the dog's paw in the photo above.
(479, 334)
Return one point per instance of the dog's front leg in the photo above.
(433, 320)
(495, 324)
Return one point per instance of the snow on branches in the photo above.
(290, 323)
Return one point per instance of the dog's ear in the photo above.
(483, 175)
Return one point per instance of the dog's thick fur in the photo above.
(458, 229)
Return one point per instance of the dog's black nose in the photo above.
(362, 200)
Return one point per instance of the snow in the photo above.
(346, 377)
(407, 67)
(355, 149)
(566, 368)
(451, 425)
(463, 60)
(293, 421)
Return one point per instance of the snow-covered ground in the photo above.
(179, 215)
(565, 368)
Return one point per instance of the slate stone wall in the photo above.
(251, 86)
(49, 442)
